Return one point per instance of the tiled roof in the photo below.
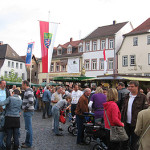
(104, 31)
(8, 53)
(143, 28)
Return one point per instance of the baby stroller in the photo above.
(73, 127)
(94, 132)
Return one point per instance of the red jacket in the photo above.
(113, 114)
(38, 93)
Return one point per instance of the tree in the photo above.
(12, 77)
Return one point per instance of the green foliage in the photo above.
(12, 77)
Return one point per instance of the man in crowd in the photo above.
(57, 96)
(148, 93)
(122, 92)
(46, 102)
(4, 93)
(81, 108)
(28, 110)
(39, 94)
(134, 102)
(76, 94)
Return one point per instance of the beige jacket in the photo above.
(143, 121)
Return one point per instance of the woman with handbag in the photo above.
(112, 117)
(60, 105)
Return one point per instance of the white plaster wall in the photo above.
(141, 51)
(8, 69)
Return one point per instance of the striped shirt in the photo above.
(28, 100)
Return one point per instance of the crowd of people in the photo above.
(126, 107)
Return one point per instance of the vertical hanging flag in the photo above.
(105, 65)
(48, 34)
(29, 53)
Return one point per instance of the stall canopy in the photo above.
(71, 79)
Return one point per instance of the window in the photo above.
(94, 46)
(57, 67)
(32, 66)
(8, 63)
(59, 52)
(5, 74)
(16, 74)
(39, 67)
(148, 39)
(16, 65)
(80, 49)
(20, 66)
(111, 44)
(102, 44)
(94, 64)
(35, 74)
(132, 60)
(87, 64)
(44, 80)
(101, 64)
(110, 64)
(87, 46)
(9, 73)
(135, 41)
(12, 65)
(63, 68)
(124, 60)
(69, 50)
(149, 58)
(23, 76)
(52, 67)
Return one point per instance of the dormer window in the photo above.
(59, 52)
(69, 50)
(80, 48)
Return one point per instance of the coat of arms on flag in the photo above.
(47, 39)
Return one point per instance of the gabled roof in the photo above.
(104, 31)
(143, 28)
(33, 57)
(8, 53)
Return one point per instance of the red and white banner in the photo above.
(105, 64)
(48, 34)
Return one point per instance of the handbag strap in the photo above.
(107, 118)
(144, 133)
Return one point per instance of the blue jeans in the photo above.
(15, 133)
(50, 109)
(36, 104)
(2, 134)
(80, 127)
(28, 128)
(56, 115)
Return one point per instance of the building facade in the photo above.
(66, 61)
(108, 38)
(134, 54)
(10, 60)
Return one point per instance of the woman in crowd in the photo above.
(96, 104)
(60, 105)
(12, 118)
(114, 116)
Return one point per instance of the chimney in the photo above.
(114, 22)
(1, 42)
(70, 39)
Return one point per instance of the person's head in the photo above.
(68, 99)
(40, 87)
(105, 91)
(134, 87)
(141, 90)
(14, 87)
(25, 84)
(16, 91)
(112, 95)
(76, 87)
(47, 87)
(59, 89)
(63, 92)
(2, 84)
(87, 91)
(120, 85)
(99, 90)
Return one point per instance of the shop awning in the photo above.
(71, 79)
(137, 79)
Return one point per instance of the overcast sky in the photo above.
(19, 19)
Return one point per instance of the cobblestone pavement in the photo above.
(44, 138)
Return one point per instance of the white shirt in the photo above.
(75, 96)
(129, 110)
